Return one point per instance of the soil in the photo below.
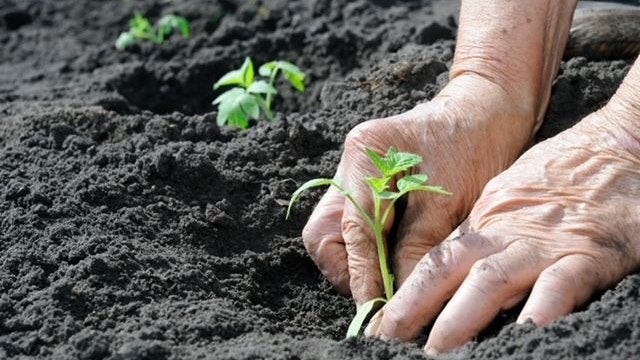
(133, 227)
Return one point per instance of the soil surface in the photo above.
(133, 227)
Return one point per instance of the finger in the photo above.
(417, 234)
(433, 281)
(360, 243)
(322, 237)
(561, 288)
(494, 283)
(357, 232)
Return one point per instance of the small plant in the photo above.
(142, 30)
(389, 166)
(249, 96)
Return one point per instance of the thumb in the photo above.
(322, 237)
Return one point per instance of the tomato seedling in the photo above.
(249, 96)
(140, 29)
(390, 166)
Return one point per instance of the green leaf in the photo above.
(293, 74)
(234, 77)
(409, 181)
(363, 315)
(235, 106)
(141, 28)
(229, 95)
(388, 195)
(125, 40)
(247, 72)
(267, 69)
(261, 87)
(378, 161)
(242, 76)
(394, 162)
(168, 23)
(377, 185)
(238, 118)
(182, 25)
(249, 105)
(224, 111)
(297, 81)
(289, 67)
(401, 161)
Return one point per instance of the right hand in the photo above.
(466, 135)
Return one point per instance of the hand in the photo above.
(469, 133)
(561, 223)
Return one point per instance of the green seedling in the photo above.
(140, 29)
(249, 96)
(390, 166)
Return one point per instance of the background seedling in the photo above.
(140, 29)
(389, 166)
(249, 96)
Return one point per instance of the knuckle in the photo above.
(489, 274)
(310, 239)
(364, 134)
(354, 231)
(395, 320)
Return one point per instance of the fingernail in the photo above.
(372, 329)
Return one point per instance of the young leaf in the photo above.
(229, 94)
(242, 76)
(296, 80)
(363, 315)
(247, 72)
(261, 87)
(238, 118)
(394, 162)
(168, 23)
(293, 74)
(125, 40)
(233, 77)
(410, 181)
(377, 185)
(378, 161)
(401, 161)
(141, 28)
(267, 69)
(249, 105)
(416, 183)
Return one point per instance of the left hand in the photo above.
(560, 224)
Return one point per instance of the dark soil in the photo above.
(133, 227)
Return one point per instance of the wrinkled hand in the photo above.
(561, 223)
(465, 139)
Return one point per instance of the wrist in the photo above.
(489, 107)
(517, 46)
(621, 115)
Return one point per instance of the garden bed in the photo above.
(133, 227)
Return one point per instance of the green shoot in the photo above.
(389, 166)
(292, 73)
(140, 29)
(245, 101)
